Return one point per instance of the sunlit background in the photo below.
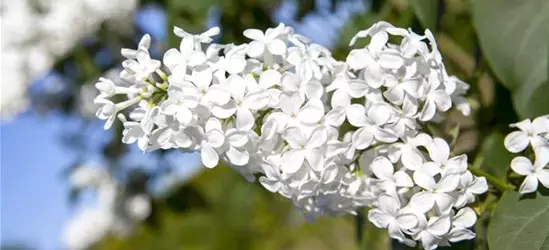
(53, 51)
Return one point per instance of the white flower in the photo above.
(294, 114)
(201, 77)
(181, 101)
(308, 60)
(380, 31)
(461, 221)
(523, 166)
(436, 192)
(141, 67)
(137, 131)
(237, 153)
(213, 139)
(109, 110)
(368, 130)
(383, 169)
(388, 214)
(431, 232)
(301, 147)
(192, 43)
(458, 95)
(272, 180)
(439, 151)
(269, 40)
(530, 133)
(408, 151)
(144, 44)
(291, 82)
(235, 59)
(470, 186)
(243, 102)
(397, 92)
(436, 99)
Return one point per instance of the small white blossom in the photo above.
(534, 173)
(530, 133)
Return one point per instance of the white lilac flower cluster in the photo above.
(331, 136)
(113, 212)
(35, 33)
(534, 135)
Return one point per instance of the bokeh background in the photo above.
(53, 51)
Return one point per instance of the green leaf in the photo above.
(514, 38)
(426, 12)
(496, 157)
(520, 223)
(374, 238)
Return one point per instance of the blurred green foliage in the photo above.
(218, 209)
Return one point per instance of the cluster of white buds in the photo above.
(536, 135)
(114, 211)
(331, 136)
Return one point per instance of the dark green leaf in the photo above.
(513, 36)
(520, 223)
(496, 156)
(426, 12)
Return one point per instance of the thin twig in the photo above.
(497, 182)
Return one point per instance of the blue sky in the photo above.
(34, 193)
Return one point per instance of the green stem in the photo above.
(498, 183)
(359, 223)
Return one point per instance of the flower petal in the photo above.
(356, 59)
(356, 114)
(362, 138)
(543, 177)
(238, 157)
(184, 115)
(424, 180)
(465, 218)
(411, 158)
(312, 112)
(407, 221)
(290, 102)
(402, 179)
(439, 151)
(209, 156)
(379, 218)
(253, 34)
(256, 48)
(277, 47)
(244, 119)
(516, 141)
(292, 161)
(522, 165)
(423, 201)
(269, 78)
(382, 168)
(390, 60)
(529, 185)
(318, 137)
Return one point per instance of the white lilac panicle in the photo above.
(536, 135)
(114, 211)
(331, 136)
